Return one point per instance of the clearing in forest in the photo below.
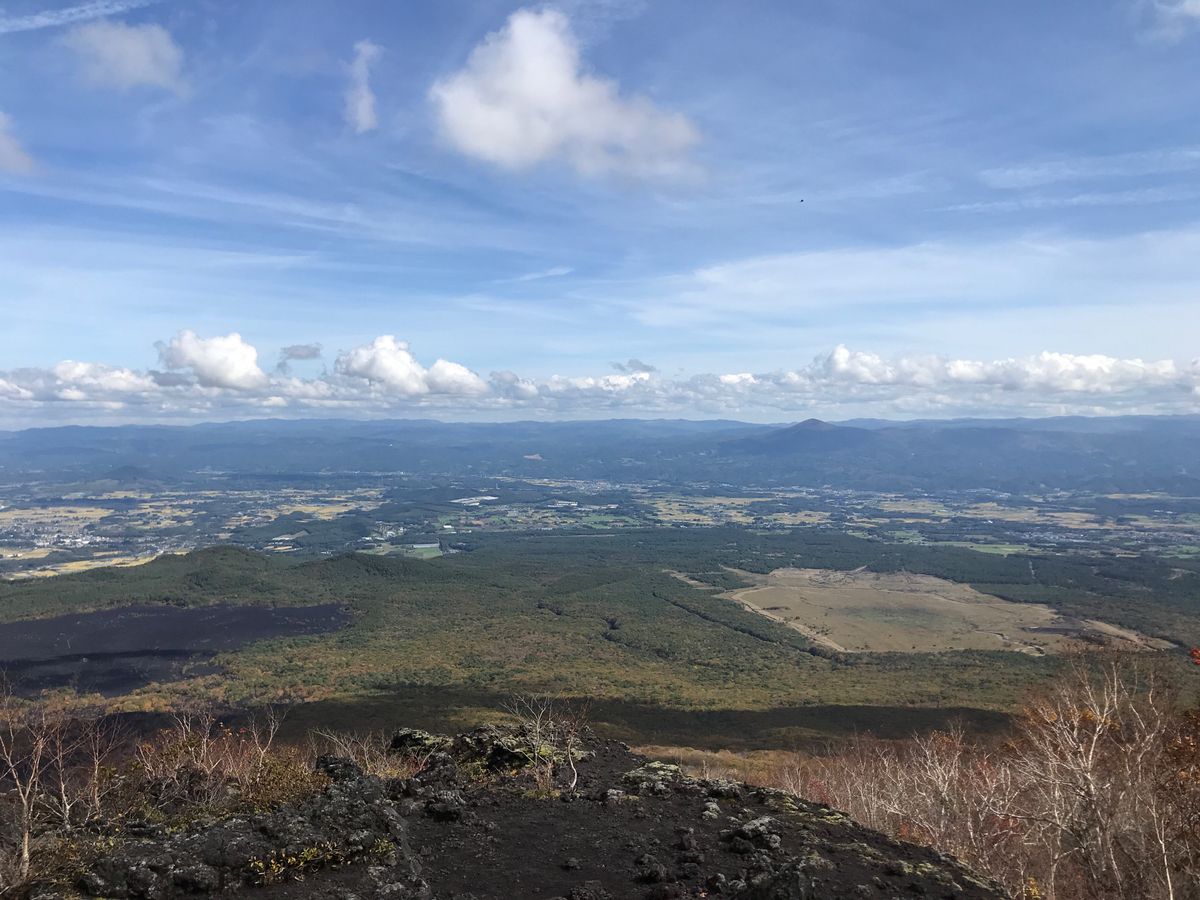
(868, 611)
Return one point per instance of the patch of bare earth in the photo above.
(861, 611)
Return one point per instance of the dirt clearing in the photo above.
(866, 611)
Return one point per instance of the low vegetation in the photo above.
(73, 788)
(589, 616)
(1094, 796)
(600, 615)
(70, 785)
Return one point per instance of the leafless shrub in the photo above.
(371, 752)
(54, 776)
(1093, 765)
(553, 732)
(1095, 797)
(25, 746)
(202, 761)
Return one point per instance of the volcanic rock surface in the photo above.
(473, 825)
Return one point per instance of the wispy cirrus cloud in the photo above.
(359, 112)
(1033, 269)
(13, 156)
(1029, 202)
(1164, 161)
(71, 15)
(541, 274)
(1173, 18)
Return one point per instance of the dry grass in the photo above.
(1096, 796)
(868, 611)
(100, 560)
(51, 515)
(31, 553)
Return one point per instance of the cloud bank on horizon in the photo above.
(221, 377)
(537, 190)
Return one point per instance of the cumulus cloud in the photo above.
(226, 361)
(93, 377)
(634, 365)
(300, 351)
(122, 56)
(296, 352)
(220, 376)
(13, 157)
(524, 98)
(360, 99)
(390, 364)
(1046, 372)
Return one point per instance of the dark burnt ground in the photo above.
(652, 834)
(118, 650)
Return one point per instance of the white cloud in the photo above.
(988, 275)
(300, 351)
(524, 98)
(1176, 12)
(737, 379)
(96, 378)
(1044, 373)
(55, 18)
(553, 272)
(123, 56)
(1115, 165)
(13, 157)
(389, 363)
(1134, 197)
(220, 377)
(360, 99)
(10, 390)
(446, 377)
(634, 365)
(221, 362)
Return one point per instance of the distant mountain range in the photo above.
(1132, 453)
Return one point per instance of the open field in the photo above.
(406, 550)
(324, 510)
(25, 554)
(697, 510)
(99, 561)
(860, 611)
(52, 515)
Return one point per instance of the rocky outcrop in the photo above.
(356, 819)
(473, 825)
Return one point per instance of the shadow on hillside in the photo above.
(793, 727)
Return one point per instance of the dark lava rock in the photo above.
(414, 742)
(338, 768)
(590, 891)
(445, 806)
(350, 820)
(473, 825)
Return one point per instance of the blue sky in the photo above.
(493, 210)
